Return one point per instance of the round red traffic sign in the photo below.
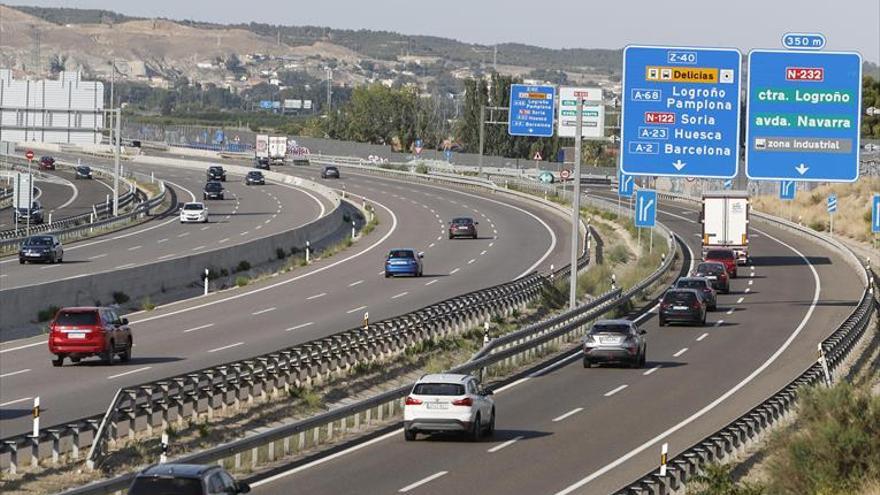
(565, 173)
(29, 154)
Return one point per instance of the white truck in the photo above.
(277, 149)
(725, 219)
(261, 149)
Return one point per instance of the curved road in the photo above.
(328, 296)
(571, 430)
(63, 197)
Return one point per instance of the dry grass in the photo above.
(853, 217)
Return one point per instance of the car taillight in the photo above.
(463, 402)
(696, 305)
(664, 305)
(412, 401)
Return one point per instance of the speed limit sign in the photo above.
(29, 154)
(565, 174)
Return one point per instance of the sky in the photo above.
(744, 24)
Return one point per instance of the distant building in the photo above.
(63, 110)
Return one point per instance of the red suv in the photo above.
(725, 256)
(89, 331)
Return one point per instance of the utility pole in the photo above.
(329, 88)
(482, 138)
(576, 204)
(495, 58)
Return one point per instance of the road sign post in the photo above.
(531, 110)
(787, 192)
(625, 187)
(875, 215)
(646, 212)
(803, 116)
(832, 209)
(576, 203)
(680, 112)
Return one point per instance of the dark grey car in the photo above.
(213, 190)
(616, 341)
(185, 479)
(46, 248)
(682, 306)
(702, 284)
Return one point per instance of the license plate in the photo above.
(713, 277)
(680, 308)
(437, 405)
(76, 335)
(608, 340)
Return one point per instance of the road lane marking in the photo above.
(491, 244)
(160, 241)
(431, 245)
(483, 252)
(230, 346)
(431, 282)
(49, 266)
(655, 368)
(701, 337)
(13, 373)
(719, 323)
(97, 256)
(297, 327)
(471, 262)
(679, 353)
(316, 296)
(618, 389)
(748, 289)
(505, 444)
(422, 481)
(355, 310)
(4, 351)
(399, 295)
(206, 227)
(183, 234)
(740, 300)
(267, 310)
(730, 311)
(244, 233)
(145, 368)
(135, 248)
(197, 248)
(355, 283)
(221, 241)
(16, 401)
(569, 413)
(751, 282)
(127, 265)
(200, 327)
(166, 256)
(453, 272)
(439, 237)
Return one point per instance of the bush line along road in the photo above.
(330, 295)
(571, 430)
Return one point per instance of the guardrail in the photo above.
(741, 433)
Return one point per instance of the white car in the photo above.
(449, 403)
(193, 212)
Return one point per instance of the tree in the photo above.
(57, 63)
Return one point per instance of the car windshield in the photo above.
(193, 206)
(83, 169)
(401, 253)
(213, 186)
(611, 328)
(165, 486)
(76, 318)
(331, 169)
(679, 297)
(38, 241)
(216, 169)
(255, 174)
(691, 284)
(462, 221)
(438, 389)
(720, 255)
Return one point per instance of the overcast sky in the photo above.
(746, 24)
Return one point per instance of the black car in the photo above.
(45, 248)
(34, 214)
(330, 172)
(617, 341)
(703, 285)
(213, 190)
(83, 172)
(185, 479)
(716, 273)
(216, 172)
(261, 163)
(254, 177)
(463, 227)
(682, 306)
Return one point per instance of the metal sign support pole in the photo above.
(482, 138)
(116, 152)
(576, 205)
(30, 197)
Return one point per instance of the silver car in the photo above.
(617, 341)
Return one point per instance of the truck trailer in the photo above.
(725, 219)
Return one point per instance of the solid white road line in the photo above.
(355, 283)
(267, 310)
(230, 346)
(145, 368)
(422, 481)
(355, 310)
(127, 265)
(399, 295)
(200, 327)
(316, 296)
(679, 353)
(297, 327)
(16, 401)
(701, 337)
(166, 256)
(505, 444)
(431, 282)
(25, 346)
(655, 368)
(618, 389)
(569, 413)
(13, 373)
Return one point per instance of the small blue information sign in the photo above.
(531, 110)
(625, 185)
(875, 214)
(680, 112)
(787, 190)
(832, 203)
(646, 208)
(803, 116)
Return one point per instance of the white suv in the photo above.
(194, 212)
(442, 403)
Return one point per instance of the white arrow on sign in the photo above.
(802, 169)
(678, 164)
(644, 209)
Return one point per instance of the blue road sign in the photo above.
(218, 136)
(531, 110)
(787, 190)
(266, 104)
(646, 208)
(832, 203)
(625, 185)
(680, 112)
(803, 41)
(803, 116)
(728, 184)
(875, 214)
(448, 154)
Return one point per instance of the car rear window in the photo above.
(720, 255)
(439, 389)
(76, 318)
(679, 297)
(193, 206)
(466, 221)
(609, 328)
(38, 241)
(401, 254)
(213, 186)
(691, 284)
(160, 486)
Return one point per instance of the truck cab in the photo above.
(725, 221)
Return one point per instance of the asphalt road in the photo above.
(574, 430)
(330, 295)
(64, 197)
(247, 213)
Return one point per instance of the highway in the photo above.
(571, 430)
(330, 295)
(63, 196)
(247, 213)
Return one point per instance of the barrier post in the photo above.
(206, 281)
(664, 451)
(308, 252)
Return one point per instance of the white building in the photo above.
(66, 110)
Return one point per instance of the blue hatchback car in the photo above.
(403, 262)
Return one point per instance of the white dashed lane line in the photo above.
(701, 337)
(719, 323)
(134, 248)
(127, 265)
(505, 444)
(145, 368)
(569, 413)
(197, 248)
(166, 256)
(267, 310)
(355, 283)
(453, 272)
(230, 346)
(183, 234)
(200, 327)
(221, 241)
(160, 241)
(97, 256)
(730, 311)
(297, 327)
(431, 282)
(422, 481)
(471, 262)
(13, 373)
(355, 310)
(679, 353)
(399, 295)
(618, 389)
(16, 401)
(655, 368)
(740, 300)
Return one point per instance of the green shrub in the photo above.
(120, 297)
(243, 266)
(279, 252)
(147, 304)
(47, 314)
(422, 169)
(241, 281)
(716, 480)
(817, 225)
(618, 254)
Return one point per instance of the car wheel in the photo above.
(587, 363)
(409, 435)
(52, 259)
(644, 358)
(75, 359)
(58, 361)
(662, 322)
(387, 275)
(713, 307)
(490, 430)
(108, 354)
(476, 429)
(703, 322)
(125, 356)
(21, 262)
